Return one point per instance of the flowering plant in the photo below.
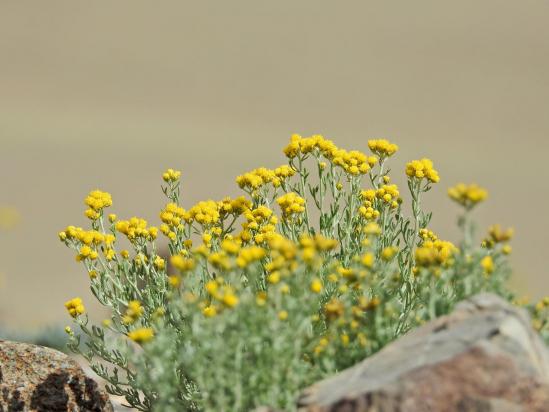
(252, 305)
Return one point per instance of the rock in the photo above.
(483, 357)
(35, 378)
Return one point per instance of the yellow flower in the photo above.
(249, 255)
(159, 263)
(368, 260)
(135, 229)
(75, 307)
(487, 264)
(274, 277)
(209, 311)
(204, 212)
(68, 330)
(283, 315)
(497, 235)
(133, 312)
(291, 203)
(141, 335)
(182, 264)
(383, 148)
(112, 217)
(419, 169)
(174, 281)
(230, 300)
(389, 252)
(435, 253)
(171, 175)
(467, 196)
(98, 200)
(110, 254)
(316, 286)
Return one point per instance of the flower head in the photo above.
(75, 307)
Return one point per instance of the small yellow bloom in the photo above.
(467, 196)
(368, 260)
(75, 307)
(171, 175)
(230, 300)
(389, 252)
(141, 335)
(209, 311)
(273, 278)
(487, 264)
(159, 263)
(420, 169)
(283, 315)
(174, 281)
(316, 286)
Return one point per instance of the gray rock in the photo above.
(485, 356)
(35, 378)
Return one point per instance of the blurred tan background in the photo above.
(109, 94)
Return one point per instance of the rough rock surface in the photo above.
(34, 378)
(483, 357)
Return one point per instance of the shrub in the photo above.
(252, 305)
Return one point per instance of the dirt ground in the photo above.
(96, 96)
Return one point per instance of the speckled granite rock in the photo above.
(34, 378)
(484, 357)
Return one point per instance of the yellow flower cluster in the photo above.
(353, 162)
(249, 255)
(171, 216)
(223, 294)
(389, 194)
(75, 307)
(426, 234)
(133, 312)
(205, 212)
(171, 175)
(87, 237)
(487, 264)
(96, 202)
(260, 177)
(312, 245)
(497, 235)
(260, 225)
(136, 229)
(234, 207)
(467, 195)
(435, 253)
(86, 252)
(182, 264)
(367, 209)
(141, 335)
(382, 148)
(423, 168)
(291, 203)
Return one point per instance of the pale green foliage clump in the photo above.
(324, 269)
